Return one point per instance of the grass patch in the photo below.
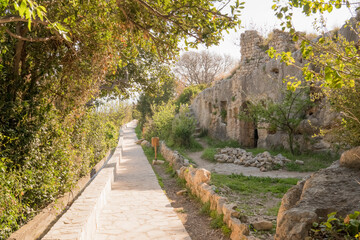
(138, 132)
(193, 146)
(312, 161)
(181, 182)
(209, 154)
(273, 211)
(160, 180)
(254, 185)
(217, 220)
(226, 230)
(169, 169)
(150, 155)
(205, 209)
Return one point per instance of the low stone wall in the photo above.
(175, 159)
(42, 222)
(81, 220)
(197, 180)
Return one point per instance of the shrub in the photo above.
(160, 125)
(58, 152)
(183, 127)
(337, 228)
(188, 95)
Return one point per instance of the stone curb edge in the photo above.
(81, 219)
(197, 180)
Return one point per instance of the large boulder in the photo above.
(334, 189)
(351, 158)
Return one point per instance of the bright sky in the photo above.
(258, 15)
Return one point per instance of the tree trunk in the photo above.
(291, 142)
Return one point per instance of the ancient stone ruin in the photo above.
(258, 77)
(334, 189)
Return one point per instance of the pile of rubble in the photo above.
(239, 156)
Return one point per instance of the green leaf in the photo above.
(271, 52)
(16, 6)
(22, 8)
(28, 13)
(40, 14)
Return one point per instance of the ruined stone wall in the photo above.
(258, 77)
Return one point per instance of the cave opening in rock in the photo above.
(248, 130)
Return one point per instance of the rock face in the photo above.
(258, 77)
(239, 156)
(263, 225)
(351, 158)
(334, 189)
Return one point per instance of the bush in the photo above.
(161, 123)
(188, 95)
(337, 228)
(59, 152)
(183, 127)
(175, 130)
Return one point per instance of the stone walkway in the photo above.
(138, 207)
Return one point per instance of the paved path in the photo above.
(138, 207)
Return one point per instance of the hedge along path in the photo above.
(137, 207)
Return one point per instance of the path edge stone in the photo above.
(197, 180)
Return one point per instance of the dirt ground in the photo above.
(188, 210)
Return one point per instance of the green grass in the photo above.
(138, 132)
(209, 154)
(312, 161)
(254, 185)
(150, 155)
(205, 209)
(226, 230)
(193, 146)
(273, 211)
(169, 169)
(217, 220)
(181, 182)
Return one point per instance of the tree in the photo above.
(162, 96)
(188, 94)
(285, 115)
(201, 67)
(58, 54)
(55, 57)
(331, 63)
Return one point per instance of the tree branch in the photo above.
(14, 18)
(29, 39)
